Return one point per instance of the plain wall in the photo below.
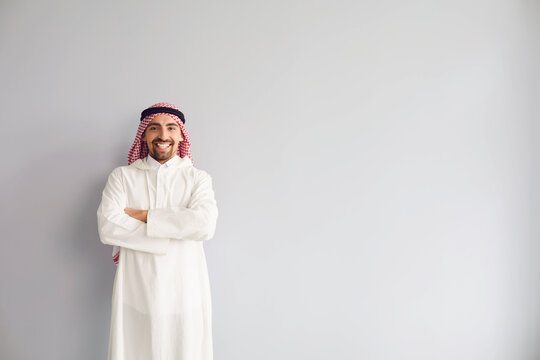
(375, 165)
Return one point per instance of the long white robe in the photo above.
(161, 303)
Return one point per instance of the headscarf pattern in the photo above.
(139, 149)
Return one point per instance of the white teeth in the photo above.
(163, 146)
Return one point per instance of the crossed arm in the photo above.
(151, 230)
(140, 215)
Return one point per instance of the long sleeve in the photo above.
(197, 221)
(117, 228)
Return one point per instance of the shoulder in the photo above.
(120, 169)
(118, 172)
(200, 177)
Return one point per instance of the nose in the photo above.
(162, 134)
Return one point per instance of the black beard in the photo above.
(161, 155)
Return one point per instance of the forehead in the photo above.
(163, 119)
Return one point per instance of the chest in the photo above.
(162, 187)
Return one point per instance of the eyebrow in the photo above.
(169, 124)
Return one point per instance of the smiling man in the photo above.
(157, 211)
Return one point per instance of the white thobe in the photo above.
(161, 303)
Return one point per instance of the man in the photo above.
(157, 211)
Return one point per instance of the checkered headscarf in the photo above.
(139, 149)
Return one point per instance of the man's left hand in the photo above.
(140, 215)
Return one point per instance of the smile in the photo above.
(163, 145)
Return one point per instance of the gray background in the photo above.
(375, 166)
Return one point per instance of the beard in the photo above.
(161, 154)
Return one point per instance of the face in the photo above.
(162, 130)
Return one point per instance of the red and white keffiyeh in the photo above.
(139, 149)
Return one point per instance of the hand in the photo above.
(140, 215)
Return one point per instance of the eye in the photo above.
(172, 127)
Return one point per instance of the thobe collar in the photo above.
(149, 163)
(156, 164)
